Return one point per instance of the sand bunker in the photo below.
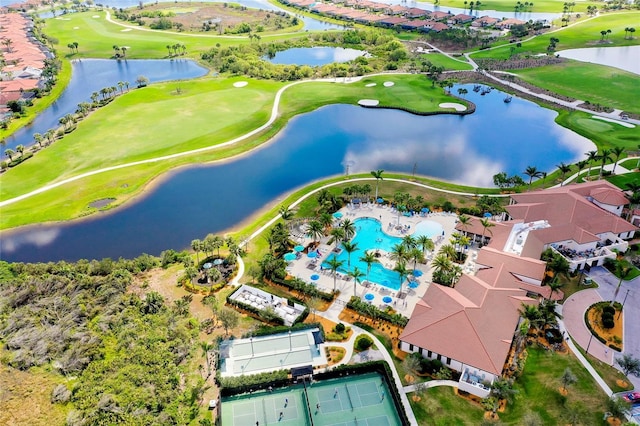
(611, 120)
(125, 30)
(388, 83)
(370, 85)
(76, 28)
(457, 107)
(368, 102)
(240, 84)
(95, 16)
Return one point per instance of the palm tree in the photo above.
(564, 169)
(9, 153)
(591, 156)
(196, 245)
(623, 272)
(532, 172)
(426, 243)
(334, 265)
(315, 230)
(401, 269)
(486, 224)
(409, 242)
(399, 252)
(554, 286)
(349, 247)
(349, 229)
(369, 258)
(37, 137)
(617, 151)
(603, 157)
(531, 314)
(20, 149)
(416, 255)
(356, 274)
(378, 175)
(286, 213)
(326, 220)
(581, 165)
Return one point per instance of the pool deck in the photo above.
(304, 267)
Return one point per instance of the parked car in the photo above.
(631, 397)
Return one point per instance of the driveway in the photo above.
(629, 294)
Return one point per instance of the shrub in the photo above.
(607, 322)
(608, 309)
(363, 342)
(339, 328)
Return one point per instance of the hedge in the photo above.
(267, 331)
(242, 384)
(371, 311)
(301, 286)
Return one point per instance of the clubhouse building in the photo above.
(470, 327)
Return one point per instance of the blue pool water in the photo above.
(369, 236)
(429, 228)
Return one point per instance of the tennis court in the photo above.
(361, 400)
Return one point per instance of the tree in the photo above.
(603, 157)
(503, 389)
(229, 319)
(314, 304)
(20, 149)
(153, 303)
(532, 172)
(581, 165)
(349, 229)
(378, 175)
(9, 153)
(403, 272)
(617, 151)
(567, 378)
(591, 156)
(629, 365)
(196, 245)
(286, 213)
(564, 169)
(315, 230)
(425, 243)
(623, 272)
(349, 247)
(618, 407)
(369, 258)
(411, 365)
(357, 275)
(142, 81)
(486, 225)
(334, 265)
(554, 286)
(37, 137)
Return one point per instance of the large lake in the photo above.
(191, 202)
(315, 56)
(91, 75)
(626, 57)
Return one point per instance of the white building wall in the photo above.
(617, 210)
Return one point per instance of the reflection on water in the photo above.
(626, 58)
(196, 201)
(315, 56)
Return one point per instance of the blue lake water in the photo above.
(623, 57)
(192, 202)
(315, 56)
(91, 75)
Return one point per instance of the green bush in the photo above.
(608, 309)
(339, 328)
(363, 342)
(607, 322)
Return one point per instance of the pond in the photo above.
(315, 56)
(466, 149)
(623, 57)
(91, 75)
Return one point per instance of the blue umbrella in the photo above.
(387, 299)
(207, 265)
(487, 214)
(298, 248)
(337, 215)
(312, 254)
(380, 200)
(315, 277)
(413, 284)
(289, 257)
(425, 210)
(369, 296)
(417, 273)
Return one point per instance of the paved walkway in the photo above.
(431, 384)
(573, 311)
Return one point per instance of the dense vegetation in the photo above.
(125, 358)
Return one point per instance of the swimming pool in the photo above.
(369, 236)
(429, 228)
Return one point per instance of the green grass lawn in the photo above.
(597, 84)
(631, 163)
(538, 396)
(621, 181)
(206, 112)
(447, 62)
(584, 34)
(97, 36)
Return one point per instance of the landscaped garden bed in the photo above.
(605, 322)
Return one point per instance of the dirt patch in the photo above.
(25, 398)
(215, 18)
(102, 203)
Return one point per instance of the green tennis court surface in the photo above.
(362, 400)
